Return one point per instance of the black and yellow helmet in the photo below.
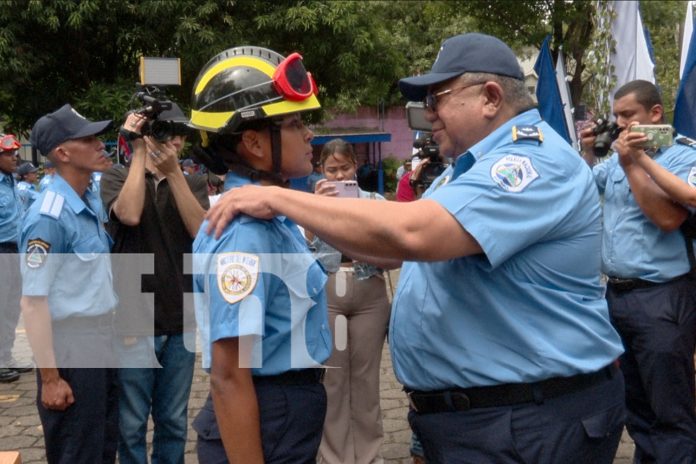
(244, 84)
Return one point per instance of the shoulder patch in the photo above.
(686, 141)
(36, 253)
(691, 180)
(527, 133)
(237, 274)
(52, 204)
(513, 172)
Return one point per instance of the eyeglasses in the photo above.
(9, 143)
(431, 99)
(292, 80)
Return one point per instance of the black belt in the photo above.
(85, 322)
(298, 377)
(506, 394)
(10, 247)
(618, 284)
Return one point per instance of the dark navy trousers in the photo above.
(577, 428)
(86, 432)
(292, 418)
(658, 329)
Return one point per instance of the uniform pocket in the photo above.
(205, 423)
(604, 423)
(89, 249)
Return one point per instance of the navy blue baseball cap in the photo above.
(62, 125)
(472, 52)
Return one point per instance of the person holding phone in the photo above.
(650, 292)
(359, 315)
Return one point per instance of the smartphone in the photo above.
(659, 135)
(345, 188)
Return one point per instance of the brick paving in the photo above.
(20, 428)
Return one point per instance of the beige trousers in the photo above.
(353, 427)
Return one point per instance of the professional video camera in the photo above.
(428, 149)
(155, 102)
(605, 133)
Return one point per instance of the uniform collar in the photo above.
(503, 134)
(60, 186)
(234, 180)
(7, 178)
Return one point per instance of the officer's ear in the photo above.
(252, 144)
(493, 98)
(656, 114)
(60, 154)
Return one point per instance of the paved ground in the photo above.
(20, 428)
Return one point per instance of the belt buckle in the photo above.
(411, 403)
(463, 402)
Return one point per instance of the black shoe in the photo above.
(8, 375)
(19, 368)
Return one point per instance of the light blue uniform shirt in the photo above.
(632, 246)
(10, 209)
(531, 307)
(27, 193)
(65, 253)
(260, 279)
(45, 182)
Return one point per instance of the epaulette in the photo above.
(52, 204)
(686, 141)
(527, 133)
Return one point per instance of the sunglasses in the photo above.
(9, 143)
(292, 80)
(431, 99)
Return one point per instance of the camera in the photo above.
(428, 149)
(605, 133)
(155, 103)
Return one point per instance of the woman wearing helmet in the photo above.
(260, 301)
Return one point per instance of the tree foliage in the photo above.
(86, 52)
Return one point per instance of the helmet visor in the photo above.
(292, 80)
(9, 143)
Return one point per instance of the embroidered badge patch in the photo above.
(36, 254)
(513, 173)
(444, 181)
(237, 274)
(692, 177)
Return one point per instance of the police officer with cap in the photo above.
(68, 297)
(499, 331)
(260, 300)
(10, 281)
(26, 187)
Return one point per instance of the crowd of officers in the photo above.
(508, 344)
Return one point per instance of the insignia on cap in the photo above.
(37, 252)
(237, 274)
(692, 177)
(513, 173)
(527, 133)
(686, 141)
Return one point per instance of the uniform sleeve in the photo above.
(199, 188)
(503, 202)
(42, 251)
(110, 186)
(601, 174)
(239, 281)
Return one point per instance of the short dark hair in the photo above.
(646, 93)
(340, 147)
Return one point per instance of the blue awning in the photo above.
(366, 137)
